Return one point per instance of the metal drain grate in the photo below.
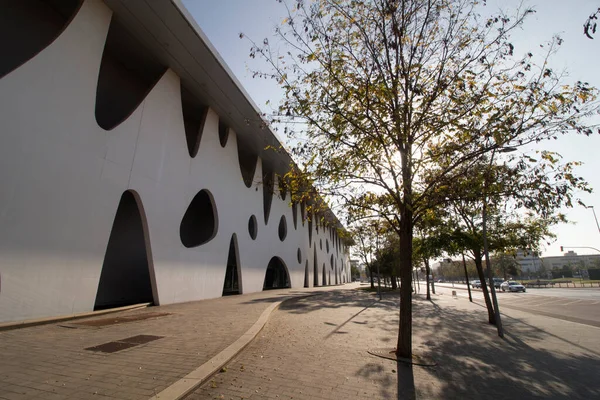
(118, 345)
(141, 339)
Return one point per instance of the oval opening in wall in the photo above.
(200, 221)
(252, 227)
(282, 228)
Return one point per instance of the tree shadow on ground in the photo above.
(473, 362)
(529, 363)
(338, 299)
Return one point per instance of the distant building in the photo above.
(572, 259)
(529, 261)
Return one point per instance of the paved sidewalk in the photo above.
(51, 361)
(316, 348)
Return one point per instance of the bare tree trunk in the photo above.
(467, 277)
(484, 288)
(426, 261)
(394, 283)
(404, 346)
(371, 273)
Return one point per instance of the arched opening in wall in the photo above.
(128, 71)
(315, 270)
(223, 133)
(282, 230)
(232, 284)
(330, 277)
(125, 277)
(303, 212)
(200, 221)
(309, 232)
(28, 27)
(248, 160)
(194, 117)
(299, 254)
(252, 227)
(268, 183)
(306, 275)
(277, 276)
(295, 215)
(327, 244)
(324, 275)
(335, 271)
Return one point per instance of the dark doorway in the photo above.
(316, 271)
(324, 275)
(277, 276)
(232, 280)
(125, 277)
(306, 277)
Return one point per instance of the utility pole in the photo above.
(467, 277)
(596, 218)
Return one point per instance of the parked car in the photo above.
(476, 284)
(498, 282)
(512, 286)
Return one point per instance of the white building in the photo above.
(133, 167)
(529, 261)
(572, 259)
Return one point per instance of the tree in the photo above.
(385, 88)
(507, 231)
(506, 264)
(354, 272)
(366, 238)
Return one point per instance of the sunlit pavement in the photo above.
(575, 305)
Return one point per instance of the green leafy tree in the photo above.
(378, 91)
(505, 264)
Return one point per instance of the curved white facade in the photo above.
(62, 177)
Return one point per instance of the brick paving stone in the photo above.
(311, 348)
(51, 359)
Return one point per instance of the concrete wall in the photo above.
(62, 178)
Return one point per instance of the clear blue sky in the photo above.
(223, 20)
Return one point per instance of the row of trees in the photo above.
(398, 109)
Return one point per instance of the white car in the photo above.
(476, 284)
(512, 286)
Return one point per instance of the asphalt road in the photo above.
(575, 305)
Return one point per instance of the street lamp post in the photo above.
(485, 241)
(596, 218)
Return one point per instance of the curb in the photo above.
(50, 320)
(203, 373)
